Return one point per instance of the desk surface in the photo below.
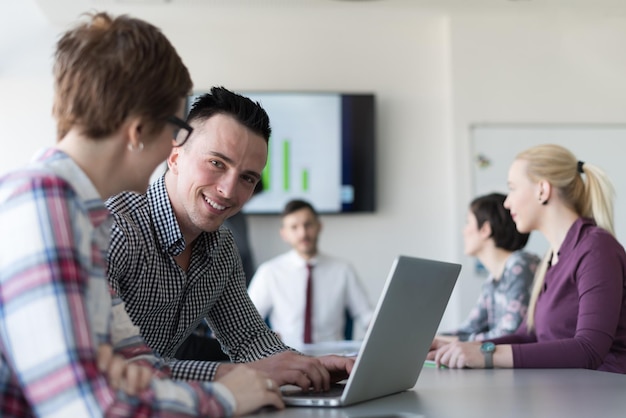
(443, 393)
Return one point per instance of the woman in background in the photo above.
(577, 312)
(490, 235)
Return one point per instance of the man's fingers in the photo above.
(319, 376)
(297, 378)
(276, 400)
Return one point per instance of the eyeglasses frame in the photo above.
(181, 124)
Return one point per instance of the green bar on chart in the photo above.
(305, 180)
(286, 165)
(266, 173)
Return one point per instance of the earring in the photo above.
(133, 148)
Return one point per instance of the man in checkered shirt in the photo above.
(174, 265)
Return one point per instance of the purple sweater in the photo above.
(580, 317)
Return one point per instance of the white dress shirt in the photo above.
(278, 290)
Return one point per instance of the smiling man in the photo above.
(175, 266)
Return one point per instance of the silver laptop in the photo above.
(398, 339)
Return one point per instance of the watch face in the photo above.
(488, 347)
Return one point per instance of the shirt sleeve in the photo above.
(47, 340)
(127, 340)
(117, 259)
(513, 301)
(521, 336)
(476, 322)
(511, 298)
(358, 301)
(259, 291)
(600, 283)
(46, 334)
(242, 331)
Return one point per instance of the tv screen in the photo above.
(322, 149)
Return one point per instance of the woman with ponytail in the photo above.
(577, 312)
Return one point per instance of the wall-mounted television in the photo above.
(322, 149)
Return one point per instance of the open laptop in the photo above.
(397, 341)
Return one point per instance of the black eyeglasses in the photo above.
(180, 125)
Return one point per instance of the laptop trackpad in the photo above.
(336, 389)
(293, 395)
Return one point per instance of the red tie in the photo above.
(309, 306)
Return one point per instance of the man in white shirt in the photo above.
(279, 286)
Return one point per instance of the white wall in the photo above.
(434, 74)
(26, 47)
(539, 68)
(400, 55)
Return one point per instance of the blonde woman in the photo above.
(577, 311)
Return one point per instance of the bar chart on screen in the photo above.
(321, 149)
(304, 152)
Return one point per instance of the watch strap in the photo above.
(487, 348)
(488, 359)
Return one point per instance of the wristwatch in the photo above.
(487, 348)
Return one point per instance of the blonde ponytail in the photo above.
(591, 197)
(540, 275)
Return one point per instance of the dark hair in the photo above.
(297, 204)
(109, 68)
(258, 188)
(245, 111)
(490, 208)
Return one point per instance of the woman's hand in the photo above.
(438, 342)
(121, 374)
(458, 355)
(252, 389)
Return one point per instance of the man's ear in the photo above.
(172, 160)
(283, 233)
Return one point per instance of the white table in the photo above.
(531, 393)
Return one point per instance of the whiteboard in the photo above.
(494, 147)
